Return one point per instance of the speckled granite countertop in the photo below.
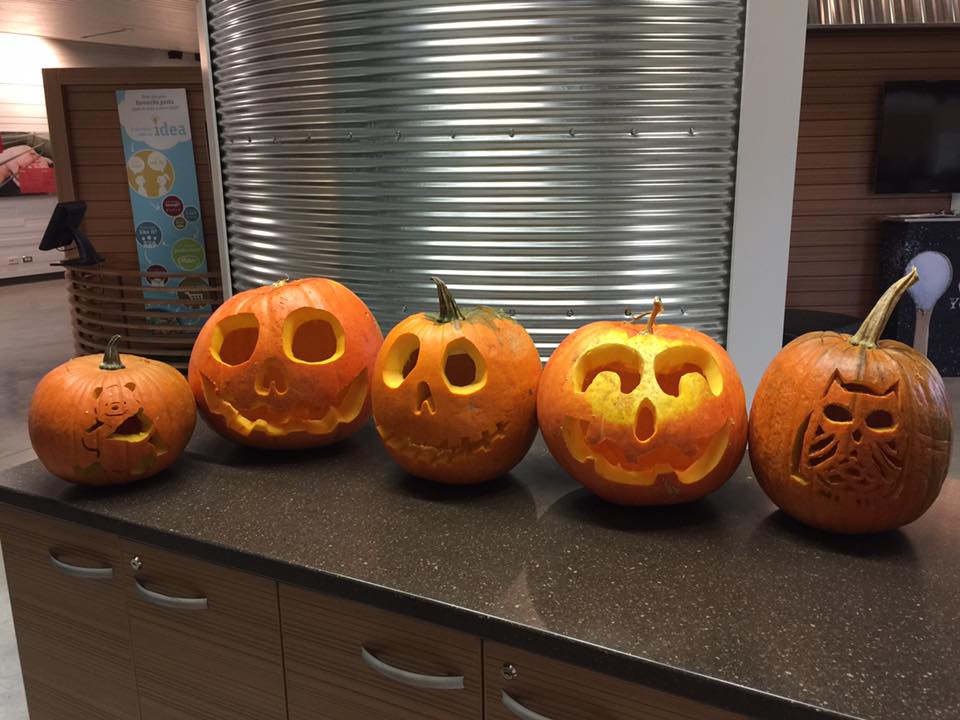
(725, 600)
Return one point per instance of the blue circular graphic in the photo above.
(148, 234)
(191, 213)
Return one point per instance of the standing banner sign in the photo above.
(162, 177)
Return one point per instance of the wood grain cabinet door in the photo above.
(206, 639)
(347, 661)
(70, 618)
(523, 686)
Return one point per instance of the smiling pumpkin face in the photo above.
(643, 415)
(287, 365)
(454, 394)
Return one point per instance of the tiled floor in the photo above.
(35, 322)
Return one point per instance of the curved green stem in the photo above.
(111, 355)
(449, 310)
(872, 327)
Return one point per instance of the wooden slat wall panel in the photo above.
(836, 216)
(86, 137)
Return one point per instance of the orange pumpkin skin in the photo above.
(287, 365)
(449, 419)
(105, 426)
(640, 415)
(851, 438)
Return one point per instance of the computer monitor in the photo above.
(64, 229)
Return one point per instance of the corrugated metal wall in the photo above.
(562, 160)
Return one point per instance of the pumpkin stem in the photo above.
(869, 332)
(651, 315)
(449, 310)
(111, 356)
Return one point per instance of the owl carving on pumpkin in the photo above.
(850, 442)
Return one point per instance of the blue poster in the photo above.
(162, 176)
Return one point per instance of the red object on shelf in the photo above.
(37, 178)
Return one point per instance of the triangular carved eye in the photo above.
(621, 360)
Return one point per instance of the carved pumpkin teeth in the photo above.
(346, 411)
(446, 453)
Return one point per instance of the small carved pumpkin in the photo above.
(286, 365)
(454, 394)
(110, 420)
(643, 414)
(852, 434)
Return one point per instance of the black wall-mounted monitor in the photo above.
(919, 149)
(64, 229)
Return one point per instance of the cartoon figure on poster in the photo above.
(162, 178)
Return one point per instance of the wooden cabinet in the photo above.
(110, 629)
(523, 686)
(68, 602)
(206, 639)
(410, 670)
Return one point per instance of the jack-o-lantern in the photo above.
(643, 414)
(454, 394)
(852, 433)
(112, 419)
(286, 365)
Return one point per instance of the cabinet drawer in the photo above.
(206, 639)
(543, 689)
(329, 679)
(69, 613)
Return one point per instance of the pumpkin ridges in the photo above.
(851, 476)
(466, 436)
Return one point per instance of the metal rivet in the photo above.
(627, 312)
(573, 133)
(309, 138)
(683, 311)
(399, 134)
(691, 132)
(509, 672)
(633, 131)
(349, 136)
(512, 132)
(569, 312)
(511, 312)
(249, 139)
(136, 563)
(403, 308)
(453, 136)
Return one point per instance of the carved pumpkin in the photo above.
(112, 419)
(852, 434)
(643, 414)
(286, 365)
(454, 394)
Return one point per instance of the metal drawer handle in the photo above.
(519, 710)
(169, 601)
(429, 682)
(78, 571)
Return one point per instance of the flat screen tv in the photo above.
(919, 149)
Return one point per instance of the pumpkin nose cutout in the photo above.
(271, 377)
(646, 424)
(856, 435)
(424, 399)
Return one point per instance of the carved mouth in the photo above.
(251, 420)
(445, 452)
(645, 468)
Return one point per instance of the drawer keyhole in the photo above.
(509, 672)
